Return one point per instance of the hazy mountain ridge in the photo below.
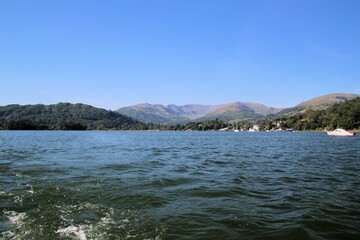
(192, 111)
(149, 113)
(171, 114)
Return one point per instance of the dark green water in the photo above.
(178, 185)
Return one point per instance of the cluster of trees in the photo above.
(207, 125)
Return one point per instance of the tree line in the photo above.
(66, 116)
(63, 116)
(341, 115)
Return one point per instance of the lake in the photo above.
(178, 185)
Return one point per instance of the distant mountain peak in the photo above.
(170, 114)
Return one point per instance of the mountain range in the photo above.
(236, 111)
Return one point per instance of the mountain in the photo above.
(344, 114)
(150, 113)
(192, 111)
(317, 103)
(327, 100)
(80, 116)
(171, 114)
(239, 111)
(62, 116)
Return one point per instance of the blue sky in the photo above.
(112, 54)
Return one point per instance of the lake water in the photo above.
(178, 185)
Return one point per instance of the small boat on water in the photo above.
(340, 132)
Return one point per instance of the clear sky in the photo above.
(117, 53)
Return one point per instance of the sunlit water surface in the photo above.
(178, 185)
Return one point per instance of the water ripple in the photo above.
(178, 185)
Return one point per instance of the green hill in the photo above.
(62, 116)
(240, 111)
(344, 114)
(318, 103)
(327, 100)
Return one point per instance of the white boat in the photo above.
(340, 132)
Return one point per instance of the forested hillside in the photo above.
(63, 116)
(341, 115)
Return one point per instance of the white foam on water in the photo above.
(127, 223)
(20, 175)
(80, 232)
(87, 206)
(125, 220)
(8, 235)
(15, 218)
(30, 190)
(18, 200)
(104, 221)
(71, 231)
